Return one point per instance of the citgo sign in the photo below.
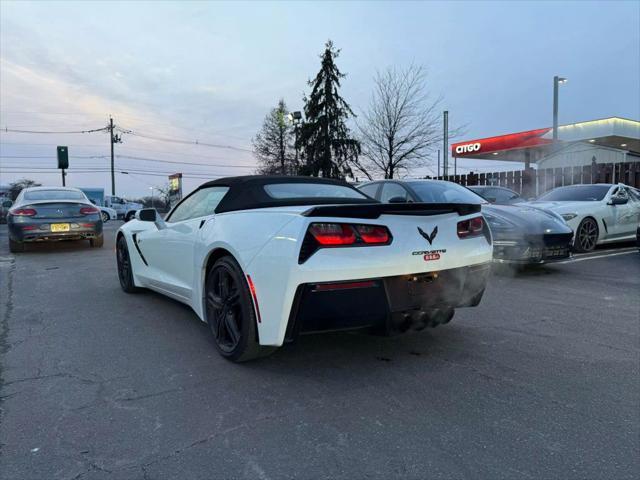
(468, 148)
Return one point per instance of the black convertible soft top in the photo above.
(247, 192)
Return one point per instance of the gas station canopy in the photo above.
(533, 145)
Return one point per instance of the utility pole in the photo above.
(445, 146)
(113, 176)
(114, 139)
(64, 184)
(438, 165)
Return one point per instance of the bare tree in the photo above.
(16, 187)
(402, 125)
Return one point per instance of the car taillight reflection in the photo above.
(373, 234)
(23, 212)
(89, 210)
(332, 235)
(471, 228)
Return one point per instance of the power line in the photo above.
(124, 147)
(51, 157)
(184, 142)
(12, 130)
(146, 159)
(39, 169)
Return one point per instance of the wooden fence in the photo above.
(535, 182)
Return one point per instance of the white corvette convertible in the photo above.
(264, 259)
(598, 213)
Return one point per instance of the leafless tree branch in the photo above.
(402, 125)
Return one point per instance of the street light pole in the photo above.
(295, 118)
(557, 81)
(445, 144)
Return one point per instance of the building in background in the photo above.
(583, 147)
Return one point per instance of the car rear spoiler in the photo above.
(374, 210)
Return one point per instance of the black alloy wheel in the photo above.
(586, 235)
(125, 273)
(230, 312)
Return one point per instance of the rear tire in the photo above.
(587, 235)
(97, 242)
(230, 313)
(16, 247)
(105, 217)
(125, 272)
(129, 216)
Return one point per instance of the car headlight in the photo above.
(568, 216)
(498, 223)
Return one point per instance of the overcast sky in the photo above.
(211, 71)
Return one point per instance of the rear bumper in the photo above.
(42, 232)
(532, 249)
(379, 302)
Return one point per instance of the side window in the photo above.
(502, 195)
(392, 190)
(199, 204)
(370, 190)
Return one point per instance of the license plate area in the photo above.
(60, 227)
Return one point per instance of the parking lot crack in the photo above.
(54, 375)
(151, 395)
(6, 300)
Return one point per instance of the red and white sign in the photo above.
(500, 143)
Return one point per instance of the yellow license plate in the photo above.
(59, 227)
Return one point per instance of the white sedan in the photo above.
(598, 213)
(264, 259)
(107, 213)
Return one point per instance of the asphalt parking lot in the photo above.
(541, 381)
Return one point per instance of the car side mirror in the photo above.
(397, 200)
(618, 201)
(150, 215)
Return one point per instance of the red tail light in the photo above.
(329, 234)
(89, 210)
(373, 234)
(471, 228)
(325, 235)
(23, 212)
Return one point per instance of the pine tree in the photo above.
(273, 145)
(325, 139)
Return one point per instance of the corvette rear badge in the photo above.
(429, 238)
(428, 255)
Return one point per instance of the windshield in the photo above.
(445, 192)
(54, 195)
(311, 190)
(576, 193)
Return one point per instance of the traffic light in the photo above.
(63, 157)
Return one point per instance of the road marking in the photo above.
(601, 255)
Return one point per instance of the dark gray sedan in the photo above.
(45, 214)
(521, 234)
